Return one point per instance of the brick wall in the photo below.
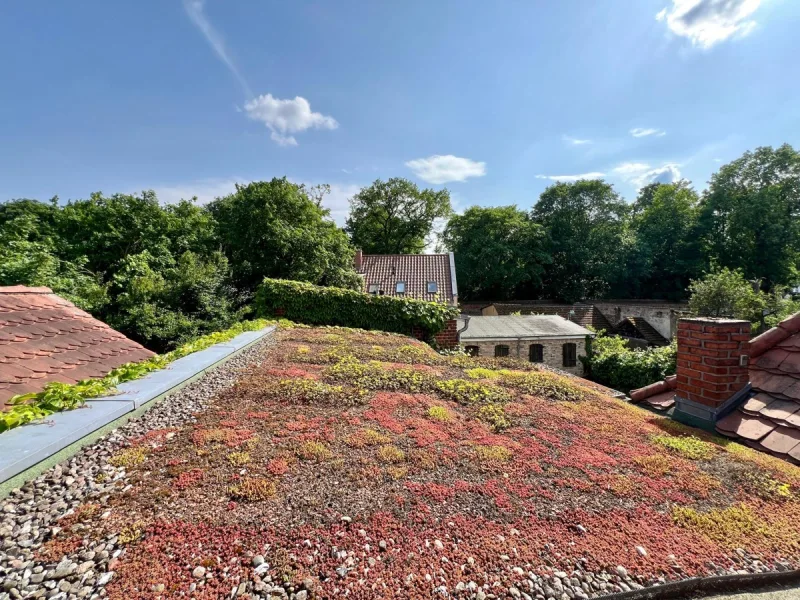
(446, 338)
(710, 368)
(552, 351)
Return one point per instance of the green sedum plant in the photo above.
(57, 397)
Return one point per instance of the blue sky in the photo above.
(490, 99)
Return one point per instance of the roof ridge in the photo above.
(763, 342)
(23, 289)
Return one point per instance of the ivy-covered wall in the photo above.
(316, 305)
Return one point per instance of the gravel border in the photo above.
(30, 513)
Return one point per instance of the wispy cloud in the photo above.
(640, 174)
(592, 175)
(196, 11)
(443, 169)
(708, 22)
(576, 141)
(647, 131)
(284, 117)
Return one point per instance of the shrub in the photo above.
(130, 457)
(238, 459)
(317, 305)
(315, 451)
(690, 447)
(495, 416)
(253, 489)
(390, 454)
(498, 454)
(439, 413)
(366, 437)
(610, 362)
(470, 392)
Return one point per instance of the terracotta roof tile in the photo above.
(45, 338)
(749, 428)
(775, 378)
(782, 440)
(414, 270)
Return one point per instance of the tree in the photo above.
(499, 252)
(584, 222)
(273, 229)
(750, 215)
(395, 217)
(726, 293)
(666, 245)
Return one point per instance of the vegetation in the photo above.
(395, 216)
(307, 303)
(611, 362)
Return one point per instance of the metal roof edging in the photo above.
(453, 284)
(70, 429)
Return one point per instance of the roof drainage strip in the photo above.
(24, 447)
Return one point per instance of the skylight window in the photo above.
(373, 288)
(433, 287)
(401, 287)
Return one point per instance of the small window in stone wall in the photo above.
(472, 350)
(570, 355)
(500, 351)
(536, 353)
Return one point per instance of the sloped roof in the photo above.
(638, 327)
(521, 326)
(45, 338)
(770, 419)
(585, 315)
(415, 270)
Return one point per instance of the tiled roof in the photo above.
(521, 326)
(415, 270)
(638, 327)
(770, 419)
(45, 338)
(585, 315)
(659, 395)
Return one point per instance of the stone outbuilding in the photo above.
(547, 339)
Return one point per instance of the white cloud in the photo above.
(708, 22)
(576, 141)
(644, 132)
(284, 117)
(442, 169)
(592, 175)
(196, 12)
(640, 174)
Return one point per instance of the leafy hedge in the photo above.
(315, 305)
(609, 361)
(57, 397)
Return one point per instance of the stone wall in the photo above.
(663, 316)
(552, 351)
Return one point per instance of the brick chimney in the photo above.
(712, 374)
(358, 260)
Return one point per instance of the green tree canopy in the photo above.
(395, 216)
(666, 245)
(273, 229)
(585, 225)
(750, 215)
(499, 252)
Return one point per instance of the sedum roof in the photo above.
(45, 338)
